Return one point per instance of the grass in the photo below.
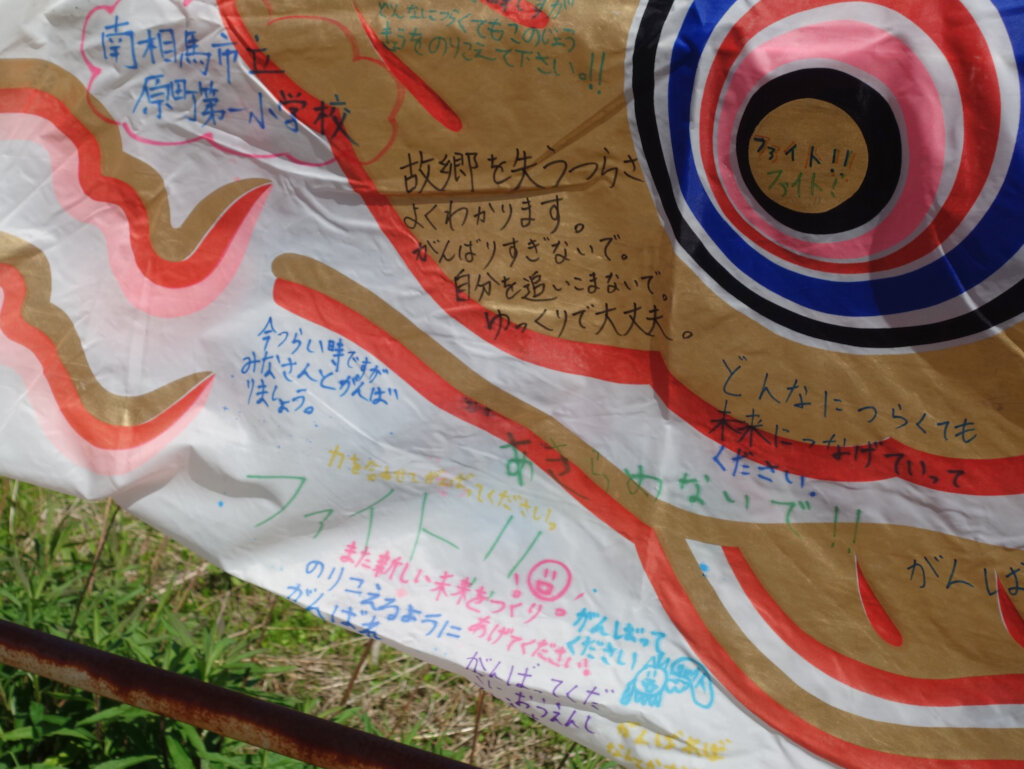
(147, 598)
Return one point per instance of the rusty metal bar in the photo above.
(274, 727)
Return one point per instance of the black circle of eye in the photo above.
(872, 115)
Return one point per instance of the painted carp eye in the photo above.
(837, 172)
(819, 151)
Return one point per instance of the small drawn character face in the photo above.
(652, 680)
(549, 580)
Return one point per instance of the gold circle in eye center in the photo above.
(808, 155)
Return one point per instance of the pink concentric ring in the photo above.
(866, 49)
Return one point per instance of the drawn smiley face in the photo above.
(549, 580)
(652, 680)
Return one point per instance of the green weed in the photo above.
(146, 598)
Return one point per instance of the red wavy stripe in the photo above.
(876, 613)
(686, 617)
(207, 255)
(322, 310)
(612, 364)
(423, 93)
(1012, 620)
(97, 432)
(1005, 689)
(519, 11)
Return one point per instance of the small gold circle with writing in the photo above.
(808, 155)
